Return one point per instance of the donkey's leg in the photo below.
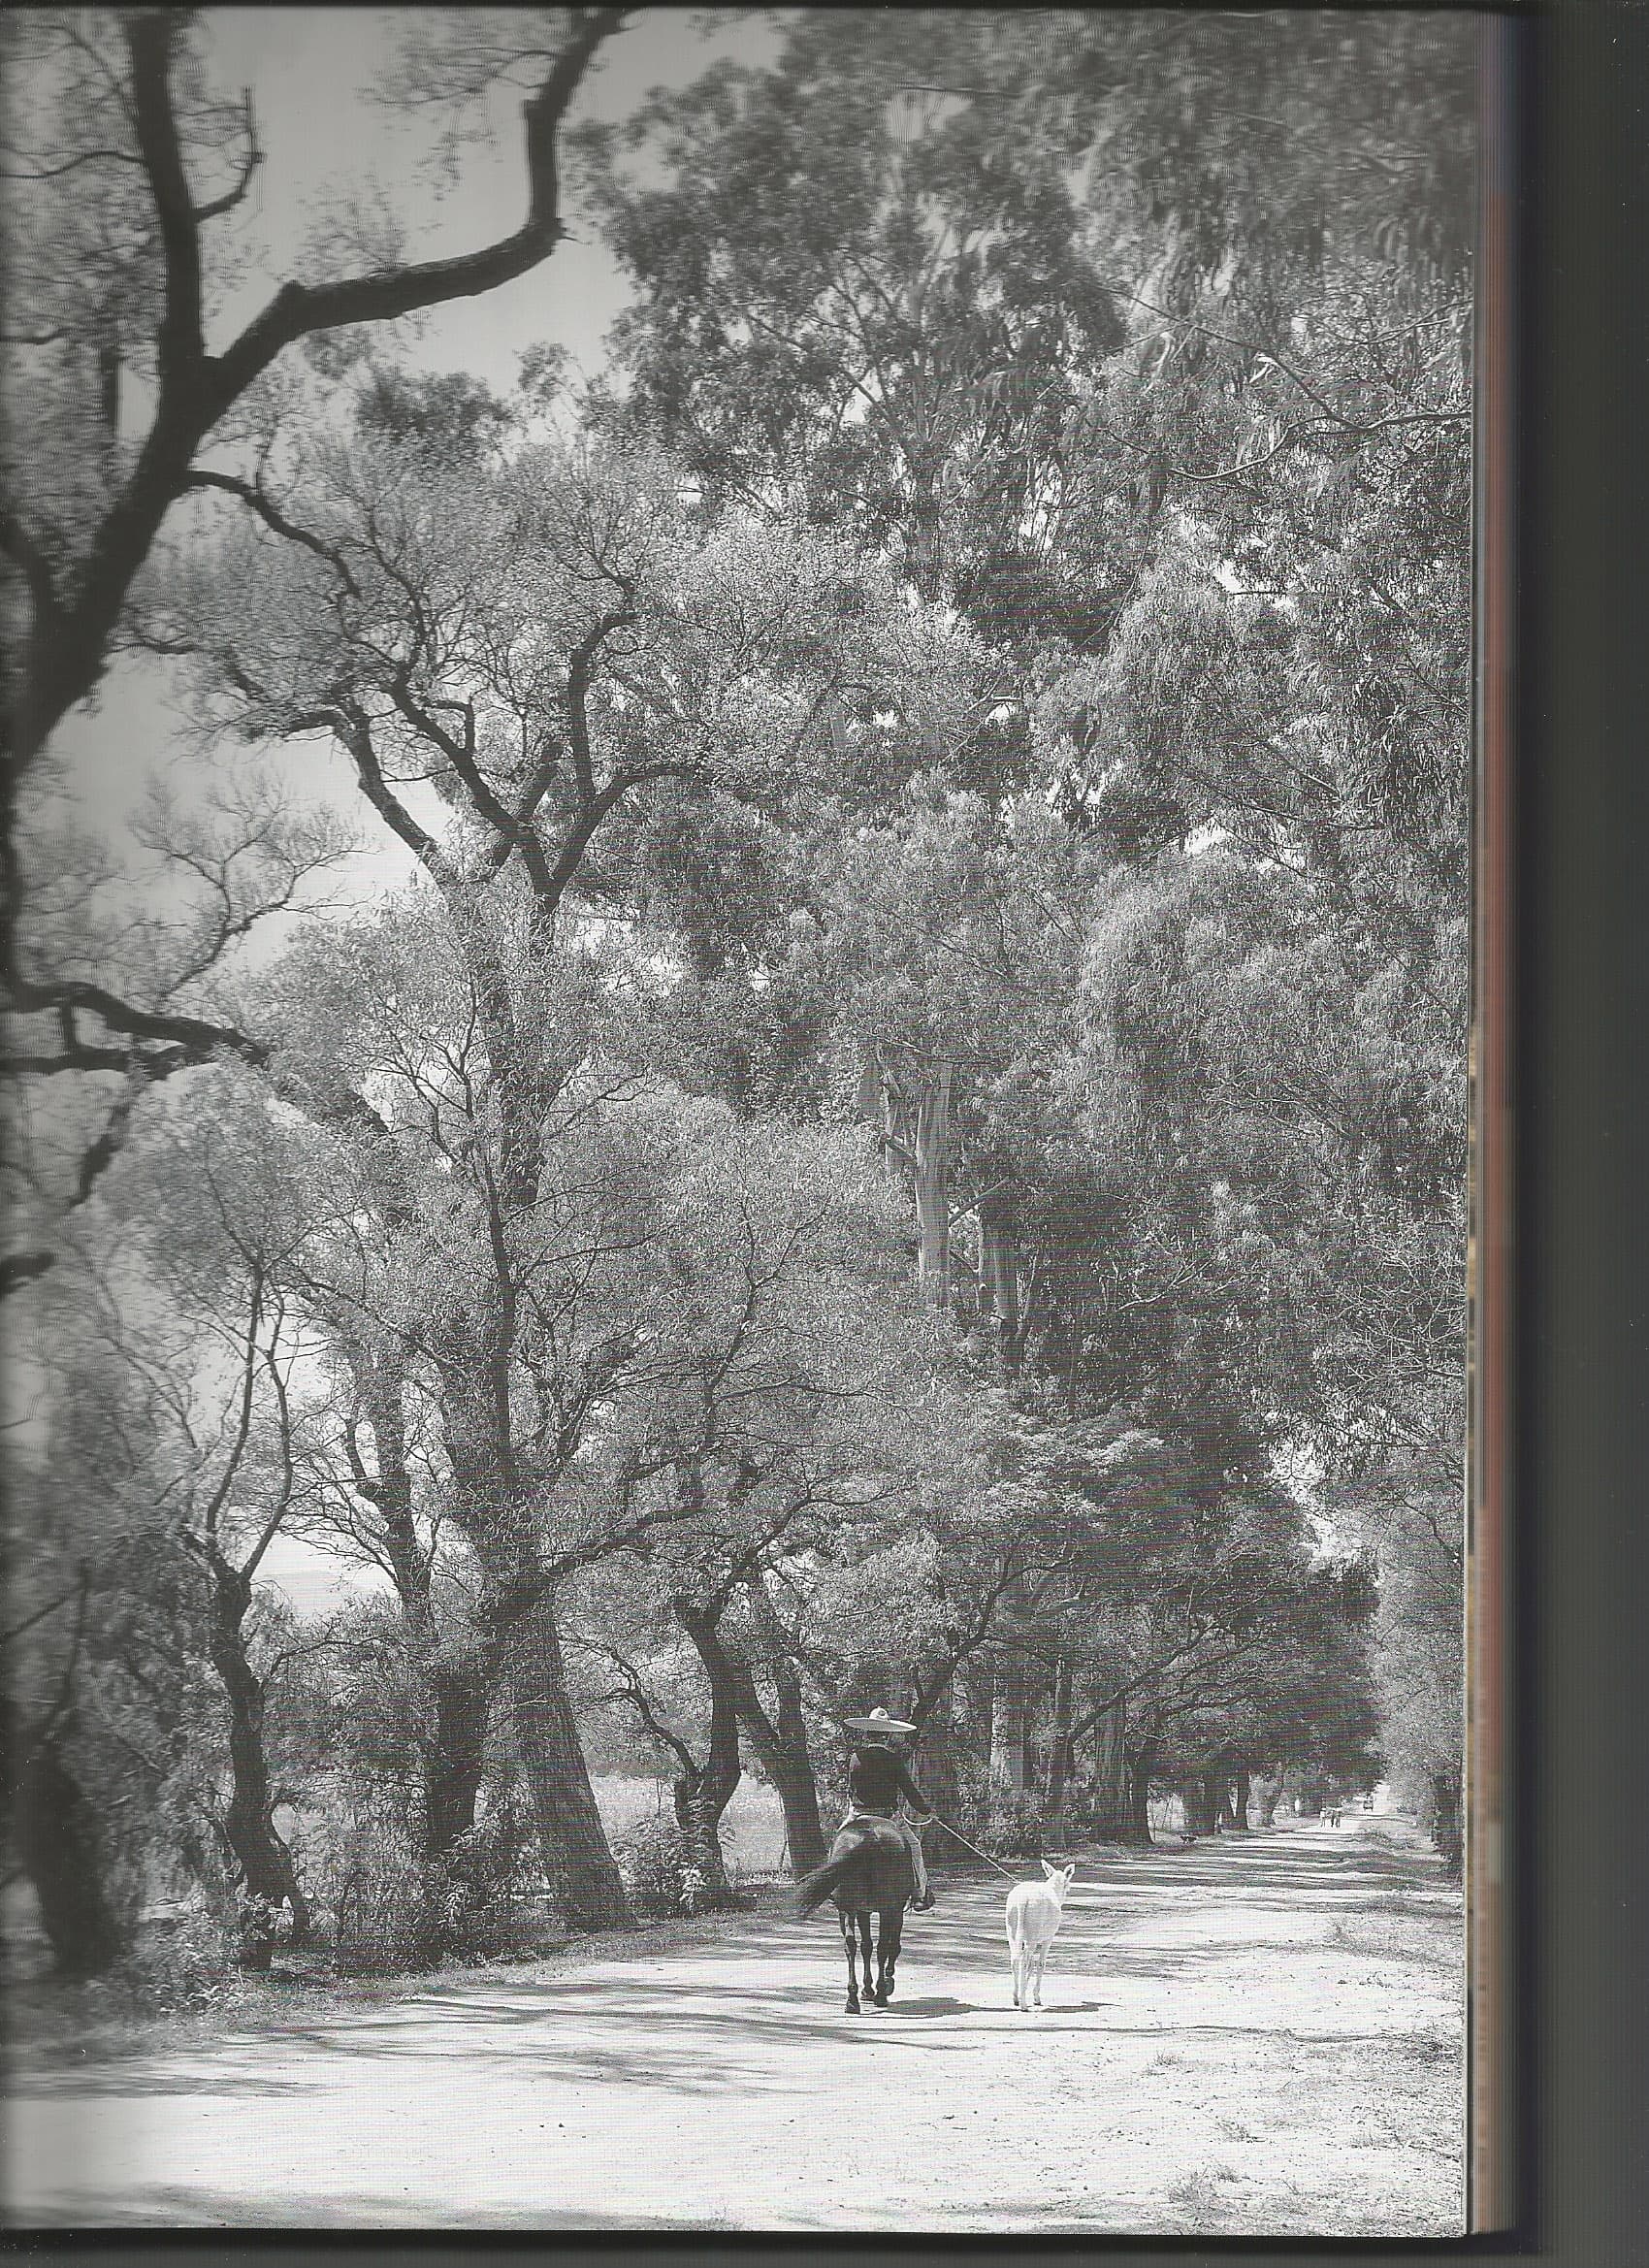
(1040, 1964)
(847, 1922)
(1017, 1963)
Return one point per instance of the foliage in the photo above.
(660, 1872)
(1006, 1822)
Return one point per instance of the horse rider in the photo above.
(876, 1777)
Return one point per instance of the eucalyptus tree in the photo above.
(130, 168)
(517, 653)
(824, 1426)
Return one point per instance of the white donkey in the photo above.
(1034, 1911)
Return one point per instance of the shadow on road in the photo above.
(682, 2020)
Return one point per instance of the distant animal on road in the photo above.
(1033, 1916)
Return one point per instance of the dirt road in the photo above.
(1254, 2035)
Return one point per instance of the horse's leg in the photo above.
(847, 1922)
(864, 1929)
(881, 1920)
(890, 1939)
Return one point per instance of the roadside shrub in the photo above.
(189, 1963)
(1010, 1823)
(394, 1909)
(381, 1917)
(660, 1873)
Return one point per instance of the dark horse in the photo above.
(869, 1873)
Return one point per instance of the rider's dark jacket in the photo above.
(876, 1780)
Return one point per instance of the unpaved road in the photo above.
(1256, 2035)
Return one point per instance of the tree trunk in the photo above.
(1109, 1816)
(517, 1613)
(1060, 1737)
(797, 1787)
(799, 1790)
(1242, 1787)
(457, 1686)
(937, 1759)
(932, 1183)
(1140, 1767)
(1447, 1831)
(780, 1742)
(1216, 1798)
(1197, 1800)
(62, 1856)
(986, 1300)
(582, 1874)
(980, 1685)
(1009, 1723)
(702, 1794)
(264, 1862)
(1005, 1270)
(697, 1817)
(455, 1756)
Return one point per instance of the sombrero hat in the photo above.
(878, 1721)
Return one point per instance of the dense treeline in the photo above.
(908, 1141)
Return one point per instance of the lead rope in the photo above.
(973, 1847)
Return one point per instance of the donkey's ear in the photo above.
(1049, 1869)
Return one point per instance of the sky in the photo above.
(309, 71)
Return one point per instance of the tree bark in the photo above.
(1446, 1831)
(931, 1149)
(1110, 1815)
(1059, 1737)
(702, 1793)
(1141, 1765)
(1009, 1723)
(937, 1759)
(264, 1862)
(583, 1876)
(454, 1757)
(62, 1856)
(1242, 1788)
(780, 1742)
(1197, 1800)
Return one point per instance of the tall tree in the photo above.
(127, 168)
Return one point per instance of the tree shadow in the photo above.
(166, 2207)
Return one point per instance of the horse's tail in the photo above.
(814, 1889)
